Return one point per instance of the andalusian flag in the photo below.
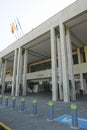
(12, 28)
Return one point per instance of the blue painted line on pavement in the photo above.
(67, 119)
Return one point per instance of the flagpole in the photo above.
(16, 29)
(15, 36)
(20, 26)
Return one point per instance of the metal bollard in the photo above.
(1, 99)
(74, 116)
(13, 102)
(22, 104)
(6, 101)
(50, 110)
(34, 107)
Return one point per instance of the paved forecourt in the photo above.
(18, 120)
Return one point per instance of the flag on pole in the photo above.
(16, 29)
(12, 28)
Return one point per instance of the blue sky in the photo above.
(30, 13)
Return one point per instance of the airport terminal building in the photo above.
(51, 57)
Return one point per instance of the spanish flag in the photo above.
(12, 28)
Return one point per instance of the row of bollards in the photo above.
(50, 109)
(34, 106)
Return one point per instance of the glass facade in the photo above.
(75, 59)
(40, 67)
(83, 59)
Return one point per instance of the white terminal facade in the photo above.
(53, 56)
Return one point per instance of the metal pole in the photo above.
(50, 110)
(6, 101)
(74, 116)
(22, 104)
(13, 102)
(34, 107)
(1, 99)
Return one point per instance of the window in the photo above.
(39, 67)
(75, 59)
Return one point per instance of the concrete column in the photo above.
(0, 70)
(79, 55)
(81, 81)
(85, 86)
(25, 72)
(85, 50)
(14, 73)
(60, 68)
(54, 66)
(64, 63)
(0, 66)
(21, 70)
(70, 65)
(18, 71)
(3, 75)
